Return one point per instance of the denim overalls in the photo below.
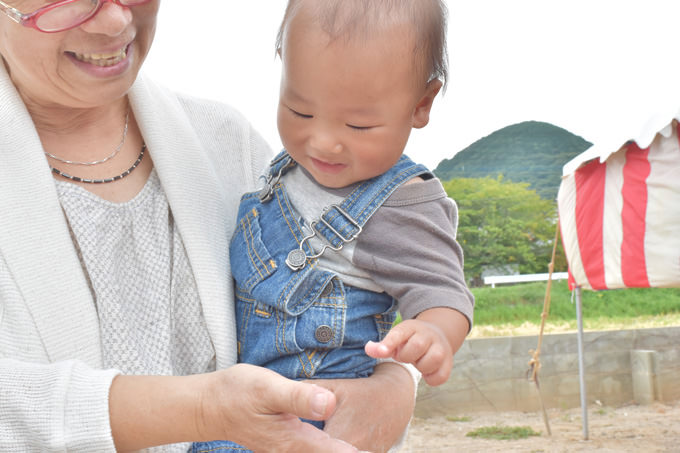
(292, 317)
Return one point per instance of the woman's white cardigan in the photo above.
(53, 392)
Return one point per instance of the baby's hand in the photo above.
(418, 342)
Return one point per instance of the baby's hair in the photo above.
(349, 19)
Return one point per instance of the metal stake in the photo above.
(581, 367)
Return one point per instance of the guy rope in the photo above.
(535, 363)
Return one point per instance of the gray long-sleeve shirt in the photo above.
(407, 249)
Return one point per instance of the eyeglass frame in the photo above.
(31, 19)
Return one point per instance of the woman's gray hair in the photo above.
(352, 19)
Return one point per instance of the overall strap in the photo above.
(342, 223)
(279, 165)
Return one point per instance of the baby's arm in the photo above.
(428, 342)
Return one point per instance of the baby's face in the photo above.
(346, 109)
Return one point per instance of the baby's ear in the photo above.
(421, 115)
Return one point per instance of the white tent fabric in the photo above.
(620, 211)
(659, 123)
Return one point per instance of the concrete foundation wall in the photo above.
(491, 373)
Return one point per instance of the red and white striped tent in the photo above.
(620, 218)
(620, 211)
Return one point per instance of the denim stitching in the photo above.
(302, 364)
(250, 245)
(253, 239)
(296, 277)
(244, 298)
(250, 281)
(244, 326)
(279, 334)
(312, 289)
(340, 316)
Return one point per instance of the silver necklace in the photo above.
(105, 180)
(101, 161)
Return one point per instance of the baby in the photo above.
(347, 230)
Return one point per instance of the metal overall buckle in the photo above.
(297, 258)
(267, 191)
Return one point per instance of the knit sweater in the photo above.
(53, 390)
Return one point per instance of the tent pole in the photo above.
(581, 371)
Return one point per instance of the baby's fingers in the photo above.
(435, 365)
(390, 345)
(377, 350)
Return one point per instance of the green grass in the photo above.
(458, 419)
(516, 309)
(503, 432)
(515, 305)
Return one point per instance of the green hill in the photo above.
(532, 152)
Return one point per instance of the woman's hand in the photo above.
(374, 412)
(252, 406)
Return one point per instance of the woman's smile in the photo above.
(102, 59)
(104, 64)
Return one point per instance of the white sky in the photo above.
(598, 68)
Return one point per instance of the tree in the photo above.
(503, 223)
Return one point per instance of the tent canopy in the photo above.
(620, 211)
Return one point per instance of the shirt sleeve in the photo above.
(409, 248)
(54, 407)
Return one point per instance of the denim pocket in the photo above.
(251, 261)
(253, 324)
(266, 336)
(384, 322)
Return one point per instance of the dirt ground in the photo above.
(632, 428)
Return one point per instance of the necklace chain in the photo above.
(105, 180)
(101, 161)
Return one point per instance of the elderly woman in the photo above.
(116, 323)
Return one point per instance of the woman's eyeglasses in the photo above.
(62, 15)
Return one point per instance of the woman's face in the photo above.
(87, 66)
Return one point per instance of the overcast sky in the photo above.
(598, 68)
